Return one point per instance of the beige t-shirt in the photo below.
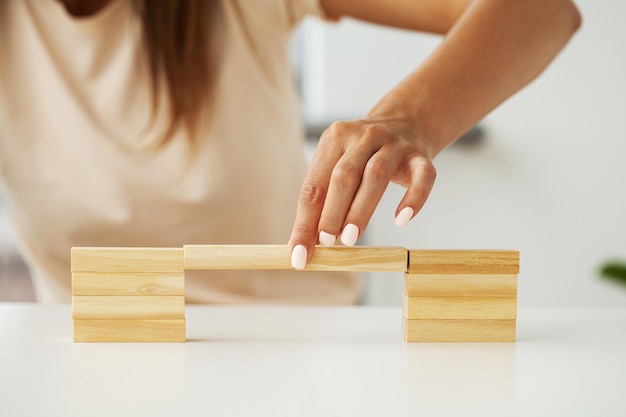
(75, 102)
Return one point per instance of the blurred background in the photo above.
(544, 174)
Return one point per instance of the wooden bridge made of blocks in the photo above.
(138, 294)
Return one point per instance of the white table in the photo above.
(295, 361)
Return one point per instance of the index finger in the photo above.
(311, 202)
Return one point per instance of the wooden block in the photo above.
(129, 283)
(129, 330)
(459, 330)
(463, 262)
(128, 307)
(437, 308)
(127, 260)
(461, 285)
(333, 258)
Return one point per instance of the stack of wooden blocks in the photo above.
(138, 294)
(460, 296)
(128, 294)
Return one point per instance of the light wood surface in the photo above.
(459, 308)
(334, 258)
(128, 307)
(127, 259)
(463, 262)
(129, 330)
(128, 283)
(461, 285)
(459, 330)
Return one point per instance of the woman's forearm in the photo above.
(496, 48)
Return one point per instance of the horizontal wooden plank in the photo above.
(128, 283)
(129, 330)
(86, 259)
(460, 285)
(128, 307)
(438, 308)
(459, 330)
(326, 258)
(463, 261)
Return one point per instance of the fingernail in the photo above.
(298, 257)
(327, 239)
(404, 216)
(350, 235)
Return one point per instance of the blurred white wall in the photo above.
(549, 179)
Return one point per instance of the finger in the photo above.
(304, 232)
(422, 176)
(376, 177)
(344, 183)
(311, 202)
(346, 179)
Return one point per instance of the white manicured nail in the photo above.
(327, 239)
(404, 216)
(298, 257)
(350, 235)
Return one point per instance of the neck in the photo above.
(84, 7)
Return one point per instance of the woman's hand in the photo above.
(351, 169)
(492, 48)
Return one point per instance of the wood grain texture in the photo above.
(439, 308)
(334, 258)
(463, 262)
(459, 330)
(128, 283)
(129, 330)
(461, 285)
(128, 307)
(127, 259)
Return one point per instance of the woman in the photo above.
(143, 123)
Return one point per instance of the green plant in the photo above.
(614, 271)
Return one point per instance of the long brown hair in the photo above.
(177, 37)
